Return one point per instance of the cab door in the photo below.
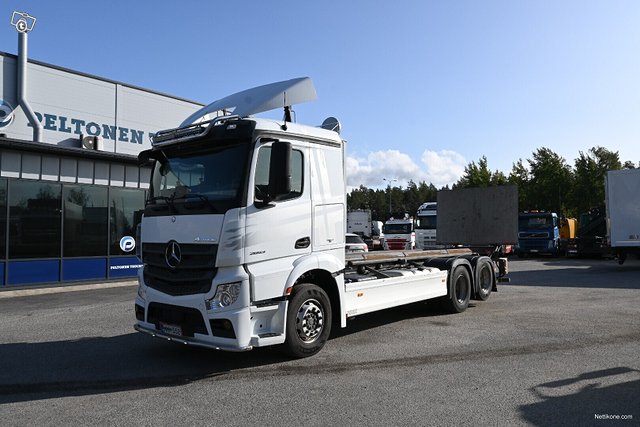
(278, 232)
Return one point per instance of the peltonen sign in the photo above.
(78, 126)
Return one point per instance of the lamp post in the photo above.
(389, 180)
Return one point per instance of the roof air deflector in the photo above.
(259, 99)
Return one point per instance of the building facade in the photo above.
(70, 202)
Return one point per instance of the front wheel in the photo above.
(308, 321)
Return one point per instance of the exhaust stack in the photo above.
(24, 24)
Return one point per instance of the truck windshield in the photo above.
(396, 228)
(426, 222)
(209, 180)
(538, 221)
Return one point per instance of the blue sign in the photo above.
(127, 244)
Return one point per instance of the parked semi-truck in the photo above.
(399, 234)
(359, 222)
(538, 233)
(426, 225)
(243, 235)
(622, 197)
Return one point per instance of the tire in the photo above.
(484, 275)
(460, 291)
(308, 321)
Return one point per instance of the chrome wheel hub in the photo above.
(310, 320)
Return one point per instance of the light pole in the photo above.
(389, 180)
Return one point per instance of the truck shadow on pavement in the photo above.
(34, 371)
(592, 398)
(578, 273)
(94, 365)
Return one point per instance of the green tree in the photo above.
(589, 172)
(475, 175)
(479, 175)
(411, 198)
(521, 178)
(358, 198)
(551, 180)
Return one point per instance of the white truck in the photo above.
(426, 226)
(359, 222)
(399, 234)
(622, 197)
(215, 276)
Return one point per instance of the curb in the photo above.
(61, 289)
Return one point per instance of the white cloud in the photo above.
(439, 168)
(443, 167)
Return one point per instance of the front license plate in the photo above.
(170, 329)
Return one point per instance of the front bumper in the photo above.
(190, 341)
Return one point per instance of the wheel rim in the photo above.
(461, 289)
(485, 280)
(310, 320)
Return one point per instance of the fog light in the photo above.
(225, 295)
(222, 328)
(139, 313)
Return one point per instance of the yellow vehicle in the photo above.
(568, 230)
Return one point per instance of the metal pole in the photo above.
(22, 87)
(389, 181)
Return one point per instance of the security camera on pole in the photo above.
(24, 23)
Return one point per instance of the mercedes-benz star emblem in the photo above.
(173, 254)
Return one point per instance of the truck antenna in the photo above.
(287, 111)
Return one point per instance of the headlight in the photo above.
(225, 295)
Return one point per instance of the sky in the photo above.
(421, 88)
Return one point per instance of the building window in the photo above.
(34, 219)
(127, 207)
(3, 219)
(85, 220)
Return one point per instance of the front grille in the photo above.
(533, 244)
(533, 235)
(396, 244)
(189, 319)
(193, 275)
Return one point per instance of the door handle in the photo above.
(303, 243)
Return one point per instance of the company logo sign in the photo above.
(6, 114)
(127, 243)
(173, 254)
(78, 126)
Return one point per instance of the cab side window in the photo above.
(262, 174)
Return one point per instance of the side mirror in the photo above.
(280, 170)
(145, 158)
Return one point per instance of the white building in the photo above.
(71, 191)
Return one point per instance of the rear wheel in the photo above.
(460, 291)
(308, 321)
(484, 271)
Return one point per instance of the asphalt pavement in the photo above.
(558, 345)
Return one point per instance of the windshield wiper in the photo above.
(200, 197)
(167, 200)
